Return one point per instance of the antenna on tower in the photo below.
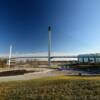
(10, 55)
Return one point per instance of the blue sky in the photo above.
(75, 25)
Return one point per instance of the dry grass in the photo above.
(52, 88)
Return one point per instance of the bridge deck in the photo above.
(46, 57)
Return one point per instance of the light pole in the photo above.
(49, 46)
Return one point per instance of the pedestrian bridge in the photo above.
(16, 57)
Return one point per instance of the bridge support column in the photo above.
(49, 46)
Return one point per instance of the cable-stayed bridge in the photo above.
(49, 57)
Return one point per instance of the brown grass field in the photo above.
(53, 88)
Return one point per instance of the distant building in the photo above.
(89, 58)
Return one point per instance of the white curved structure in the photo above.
(10, 55)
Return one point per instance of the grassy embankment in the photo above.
(53, 88)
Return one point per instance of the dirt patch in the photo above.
(14, 72)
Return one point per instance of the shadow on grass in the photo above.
(14, 72)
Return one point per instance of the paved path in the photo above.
(43, 72)
(28, 76)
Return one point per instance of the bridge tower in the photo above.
(49, 46)
(11, 61)
(10, 54)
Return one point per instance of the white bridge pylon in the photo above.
(10, 54)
